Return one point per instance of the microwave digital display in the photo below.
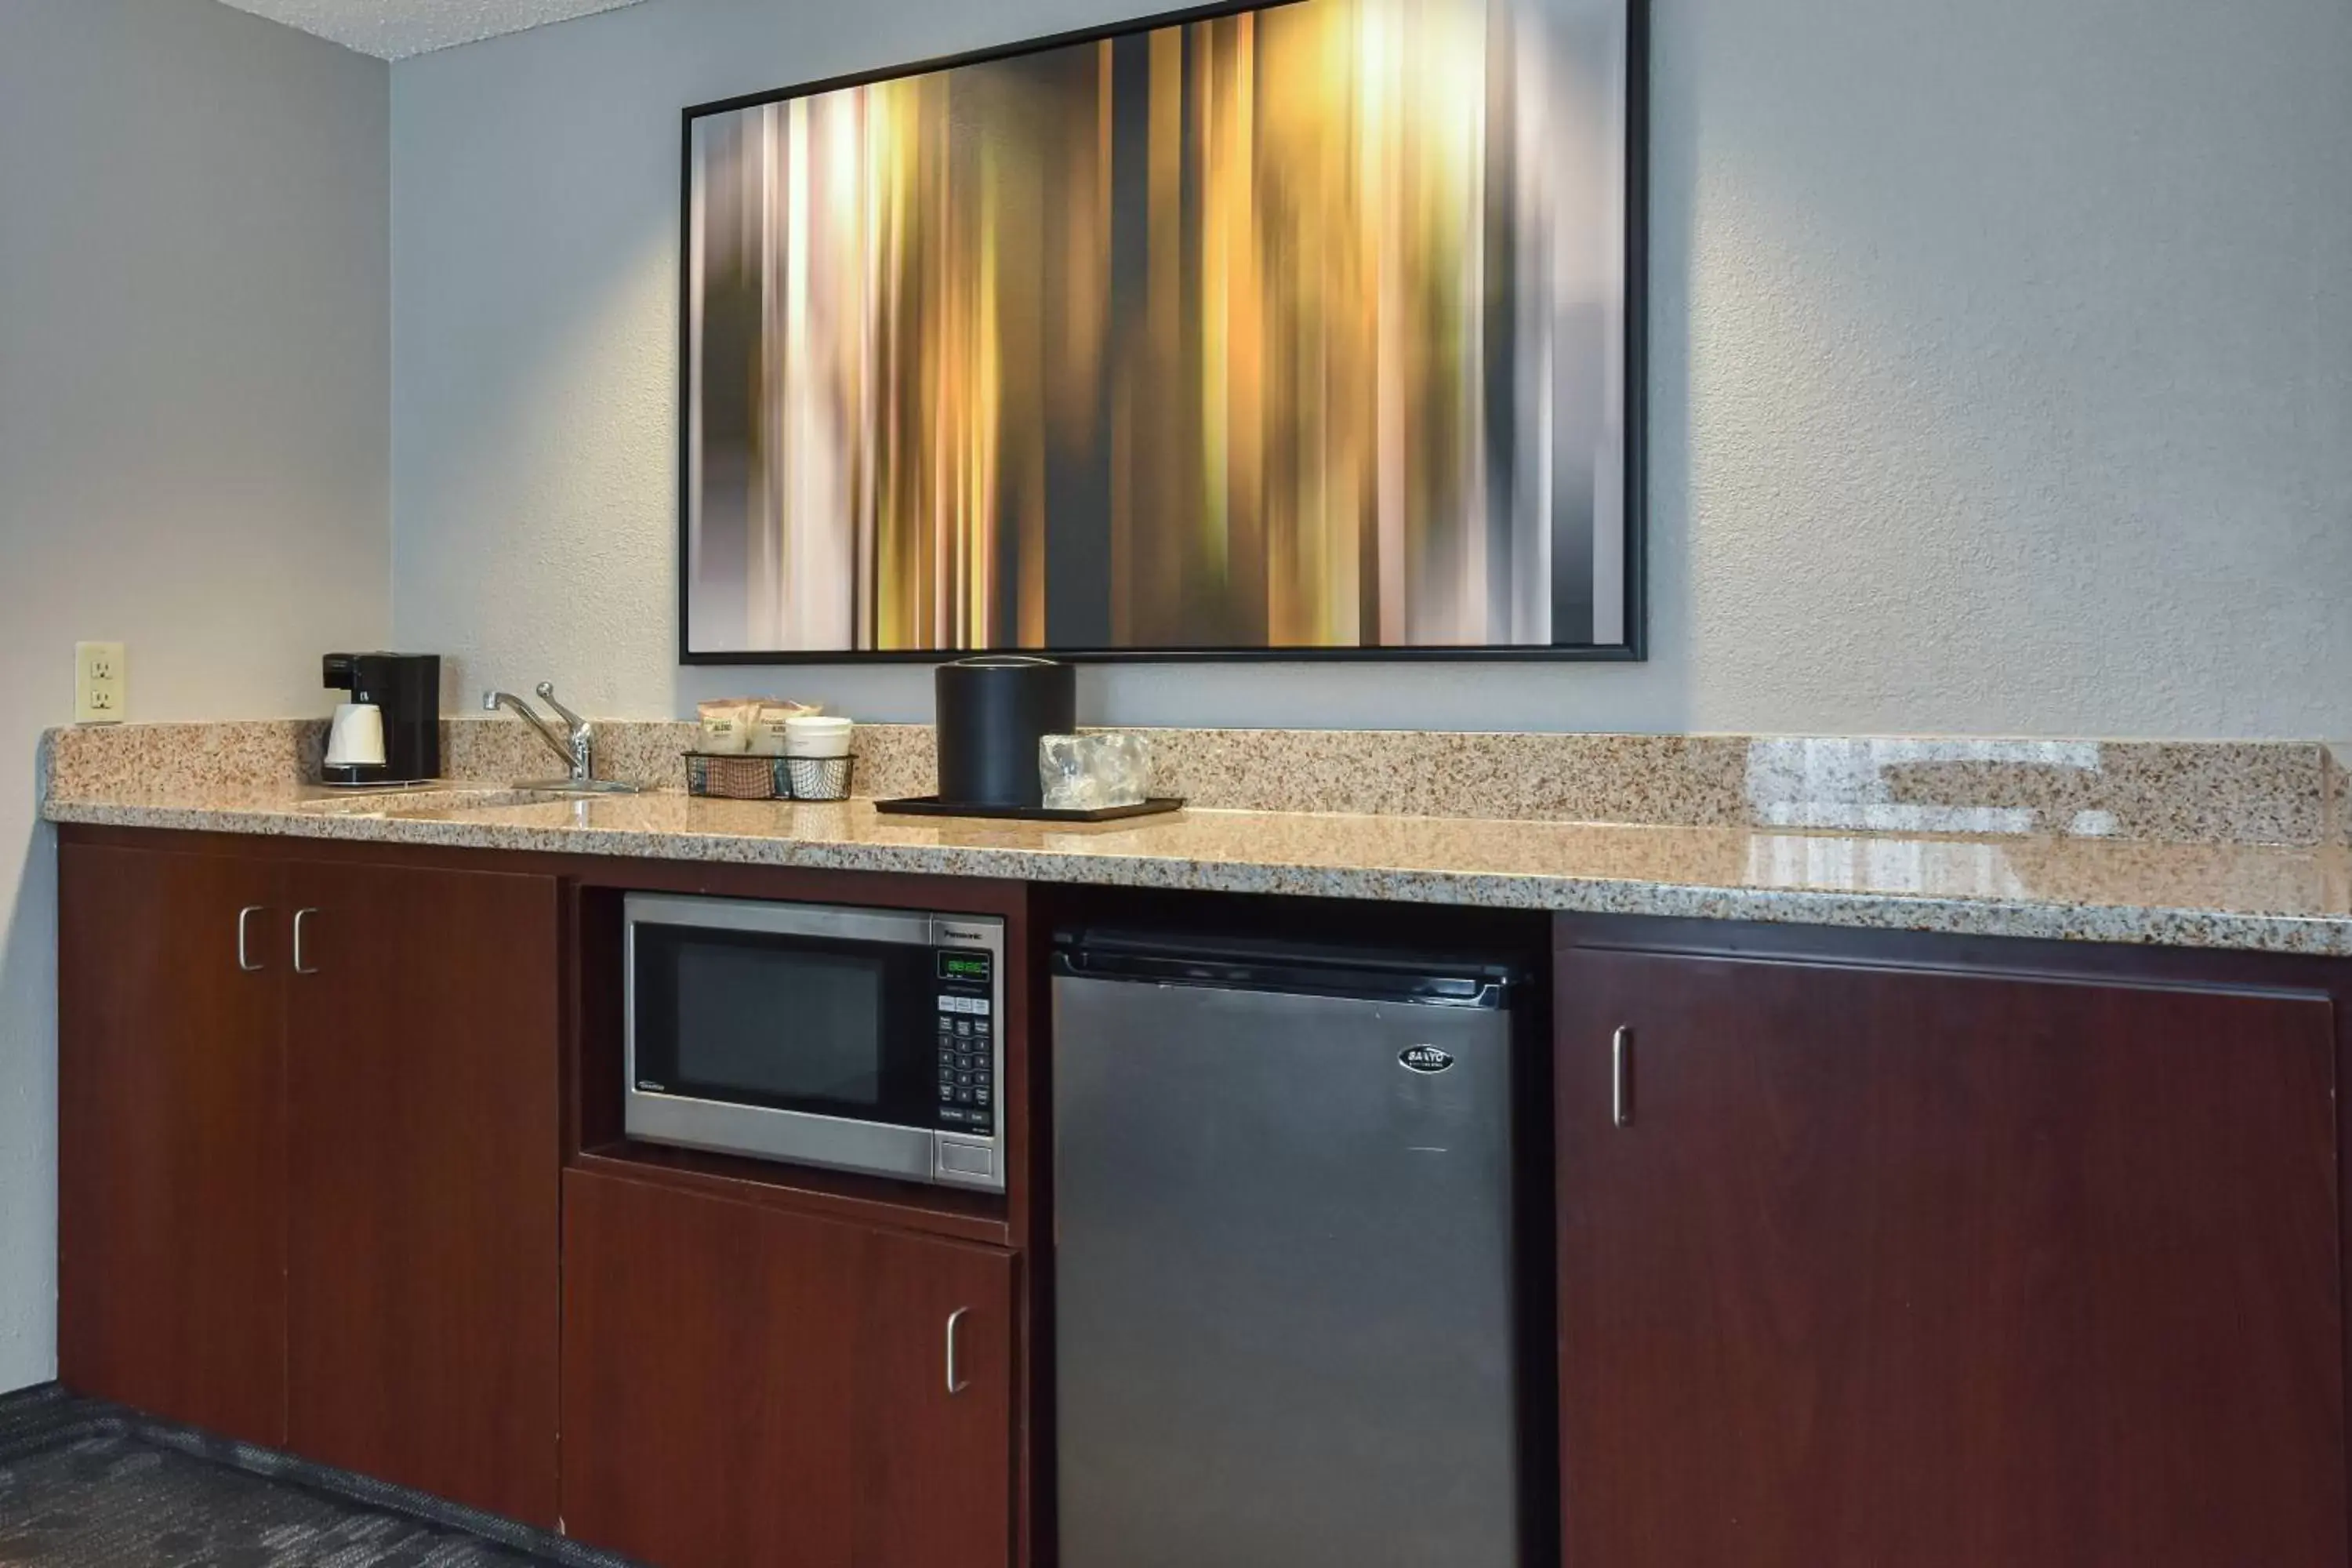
(971, 966)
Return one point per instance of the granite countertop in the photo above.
(2291, 898)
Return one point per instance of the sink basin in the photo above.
(521, 799)
(376, 801)
(568, 789)
(441, 799)
(406, 800)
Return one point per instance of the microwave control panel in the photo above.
(966, 1039)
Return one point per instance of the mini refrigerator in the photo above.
(1287, 1322)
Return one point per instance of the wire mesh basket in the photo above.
(720, 777)
(736, 777)
(818, 778)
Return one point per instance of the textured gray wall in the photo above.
(194, 381)
(2003, 370)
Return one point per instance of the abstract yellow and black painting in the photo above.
(1297, 328)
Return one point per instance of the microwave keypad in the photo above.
(967, 1062)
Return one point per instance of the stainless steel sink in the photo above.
(435, 800)
(585, 789)
(376, 801)
(459, 795)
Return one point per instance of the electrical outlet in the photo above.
(101, 682)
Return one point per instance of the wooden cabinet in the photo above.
(746, 1384)
(421, 1097)
(313, 1197)
(309, 1179)
(171, 1136)
(1870, 1250)
(1944, 1268)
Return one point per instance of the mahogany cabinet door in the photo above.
(748, 1385)
(936, 1440)
(1945, 1271)
(170, 1136)
(424, 1298)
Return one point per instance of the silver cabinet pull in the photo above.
(955, 1385)
(243, 944)
(301, 918)
(1620, 1067)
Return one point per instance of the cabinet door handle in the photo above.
(301, 918)
(1621, 1076)
(243, 944)
(955, 1384)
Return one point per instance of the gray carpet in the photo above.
(84, 1485)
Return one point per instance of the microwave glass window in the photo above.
(831, 1025)
(782, 1026)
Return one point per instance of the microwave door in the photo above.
(806, 1033)
(812, 1024)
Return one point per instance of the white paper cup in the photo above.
(817, 736)
(355, 740)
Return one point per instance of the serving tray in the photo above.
(931, 805)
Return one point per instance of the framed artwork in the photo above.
(1305, 329)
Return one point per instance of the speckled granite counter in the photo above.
(2289, 899)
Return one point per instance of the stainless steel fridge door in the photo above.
(1283, 1280)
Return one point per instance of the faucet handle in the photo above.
(547, 695)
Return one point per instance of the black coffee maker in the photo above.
(390, 731)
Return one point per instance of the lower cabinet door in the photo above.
(743, 1385)
(1863, 1267)
(422, 1288)
(171, 1136)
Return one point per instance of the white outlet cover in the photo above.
(101, 682)
(395, 29)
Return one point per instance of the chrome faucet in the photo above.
(575, 745)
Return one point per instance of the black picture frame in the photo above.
(1634, 649)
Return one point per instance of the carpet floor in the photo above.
(83, 1486)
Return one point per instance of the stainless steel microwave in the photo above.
(857, 1039)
